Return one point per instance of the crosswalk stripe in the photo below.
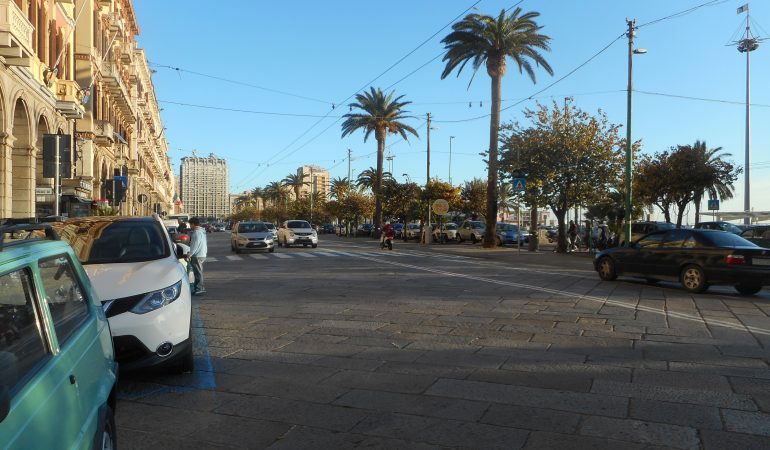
(234, 258)
(258, 256)
(306, 255)
(211, 259)
(327, 254)
(343, 253)
(282, 255)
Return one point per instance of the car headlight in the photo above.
(158, 299)
(291, 233)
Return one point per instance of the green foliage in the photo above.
(473, 197)
(106, 210)
(247, 213)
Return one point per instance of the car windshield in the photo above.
(298, 224)
(478, 225)
(507, 227)
(413, 226)
(269, 226)
(252, 228)
(450, 226)
(101, 241)
(728, 240)
(732, 228)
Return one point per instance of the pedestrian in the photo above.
(197, 255)
(572, 236)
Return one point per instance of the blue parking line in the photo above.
(203, 373)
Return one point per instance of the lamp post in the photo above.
(409, 187)
(629, 160)
(747, 45)
(450, 158)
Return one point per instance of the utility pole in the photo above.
(630, 34)
(349, 171)
(390, 163)
(450, 158)
(427, 181)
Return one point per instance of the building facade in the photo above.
(73, 68)
(204, 185)
(318, 181)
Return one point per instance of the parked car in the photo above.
(471, 230)
(758, 234)
(720, 225)
(639, 229)
(250, 235)
(364, 229)
(328, 228)
(220, 227)
(508, 233)
(696, 258)
(398, 230)
(57, 367)
(445, 233)
(176, 236)
(144, 288)
(271, 226)
(293, 232)
(413, 231)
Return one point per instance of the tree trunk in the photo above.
(377, 188)
(534, 234)
(697, 209)
(494, 131)
(561, 214)
(680, 213)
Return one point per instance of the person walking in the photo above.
(197, 254)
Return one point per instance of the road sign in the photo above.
(142, 198)
(519, 184)
(713, 205)
(441, 207)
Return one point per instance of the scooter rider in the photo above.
(387, 231)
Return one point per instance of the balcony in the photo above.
(15, 35)
(103, 133)
(115, 23)
(69, 99)
(113, 80)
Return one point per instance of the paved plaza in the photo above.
(454, 346)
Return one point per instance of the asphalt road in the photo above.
(348, 346)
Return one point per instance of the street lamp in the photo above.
(450, 158)
(629, 160)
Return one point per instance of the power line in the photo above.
(701, 99)
(683, 12)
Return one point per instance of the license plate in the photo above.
(761, 261)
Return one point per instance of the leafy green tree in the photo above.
(275, 192)
(339, 187)
(569, 158)
(473, 197)
(652, 183)
(368, 179)
(381, 114)
(486, 40)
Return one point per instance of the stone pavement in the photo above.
(492, 351)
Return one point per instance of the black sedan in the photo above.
(696, 258)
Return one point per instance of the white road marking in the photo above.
(282, 255)
(233, 257)
(306, 255)
(258, 256)
(211, 259)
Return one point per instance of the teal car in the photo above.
(57, 368)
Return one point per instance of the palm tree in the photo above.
(296, 181)
(274, 191)
(507, 200)
(486, 40)
(339, 187)
(381, 114)
(257, 195)
(367, 179)
(717, 186)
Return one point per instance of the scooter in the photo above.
(387, 241)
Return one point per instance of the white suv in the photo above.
(295, 232)
(136, 272)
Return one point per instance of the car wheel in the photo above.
(314, 245)
(458, 239)
(606, 269)
(693, 279)
(499, 242)
(748, 289)
(106, 438)
(473, 239)
(272, 249)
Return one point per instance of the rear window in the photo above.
(99, 242)
(727, 240)
(298, 224)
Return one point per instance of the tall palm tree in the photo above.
(296, 181)
(257, 195)
(368, 178)
(381, 114)
(339, 187)
(715, 185)
(487, 40)
(274, 191)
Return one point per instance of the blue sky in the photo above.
(295, 60)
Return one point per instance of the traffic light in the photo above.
(109, 191)
(120, 191)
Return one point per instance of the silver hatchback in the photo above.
(251, 236)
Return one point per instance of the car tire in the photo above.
(473, 239)
(748, 289)
(271, 250)
(606, 269)
(458, 239)
(106, 435)
(314, 245)
(498, 242)
(693, 279)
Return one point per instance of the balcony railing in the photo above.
(114, 82)
(15, 35)
(103, 132)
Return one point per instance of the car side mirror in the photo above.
(180, 251)
(5, 402)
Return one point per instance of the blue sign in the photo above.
(122, 179)
(519, 184)
(713, 205)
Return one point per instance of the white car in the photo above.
(471, 230)
(447, 232)
(137, 273)
(412, 231)
(296, 232)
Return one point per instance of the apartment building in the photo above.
(318, 180)
(73, 68)
(204, 185)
